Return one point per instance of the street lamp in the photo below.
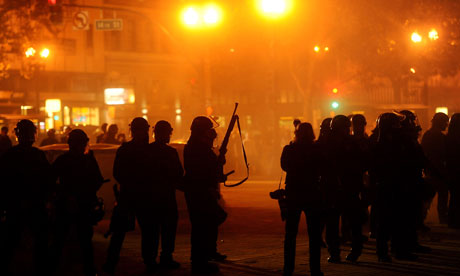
(30, 52)
(416, 37)
(433, 34)
(208, 15)
(191, 17)
(274, 8)
(45, 53)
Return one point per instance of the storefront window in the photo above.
(85, 116)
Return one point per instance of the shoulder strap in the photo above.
(245, 158)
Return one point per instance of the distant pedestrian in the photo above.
(65, 135)
(101, 136)
(300, 161)
(111, 135)
(25, 189)
(50, 139)
(5, 141)
(79, 179)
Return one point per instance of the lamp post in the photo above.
(203, 18)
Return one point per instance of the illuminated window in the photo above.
(85, 116)
(442, 109)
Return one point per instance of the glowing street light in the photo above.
(316, 49)
(191, 17)
(433, 34)
(335, 105)
(202, 16)
(45, 53)
(212, 15)
(412, 70)
(416, 37)
(30, 52)
(274, 8)
(335, 90)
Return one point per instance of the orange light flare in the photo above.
(30, 52)
(335, 90)
(316, 49)
(433, 35)
(416, 37)
(45, 53)
(412, 70)
(205, 16)
(274, 9)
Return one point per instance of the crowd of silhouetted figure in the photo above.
(48, 199)
(333, 179)
(344, 172)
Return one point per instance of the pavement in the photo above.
(253, 235)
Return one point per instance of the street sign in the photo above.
(115, 24)
(81, 20)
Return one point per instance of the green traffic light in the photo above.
(335, 105)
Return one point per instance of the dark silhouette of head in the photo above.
(5, 130)
(325, 128)
(139, 129)
(51, 133)
(358, 123)
(203, 131)
(410, 125)
(453, 132)
(113, 130)
(340, 126)
(296, 122)
(104, 127)
(163, 131)
(78, 140)
(304, 133)
(440, 121)
(25, 131)
(388, 125)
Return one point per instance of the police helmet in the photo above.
(201, 124)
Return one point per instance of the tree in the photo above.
(22, 24)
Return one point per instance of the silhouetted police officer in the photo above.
(387, 161)
(416, 190)
(24, 192)
(453, 163)
(134, 170)
(202, 176)
(434, 146)
(168, 177)
(79, 179)
(300, 161)
(343, 171)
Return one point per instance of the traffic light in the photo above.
(335, 105)
(56, 12)
(334, 97)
